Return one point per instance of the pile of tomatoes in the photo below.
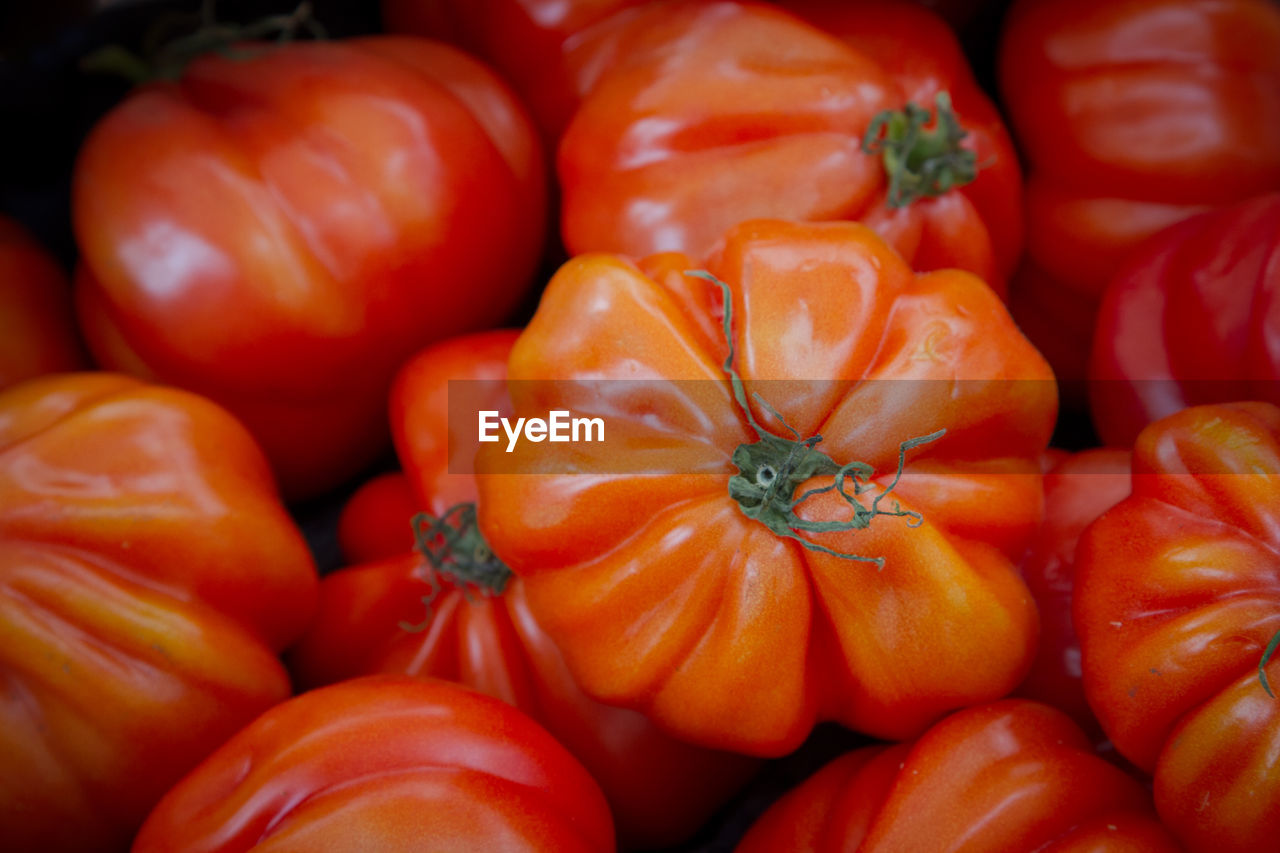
(934, 502)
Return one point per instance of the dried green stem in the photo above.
(1267, 653)
(455, 549)
(165, 54)
(922, 152)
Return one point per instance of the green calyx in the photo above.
(1266, 658)
(165, 53)
(772, 468)
(454, 547)
(921, 151)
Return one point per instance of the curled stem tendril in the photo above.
(454, 548)
(773, 467)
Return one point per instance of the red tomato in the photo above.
(375, 520)
(280, 232)
(526, 40)
(435, 446)
(387, 764)
(709, 113)
(1132, 116)
(1002, 778)
(661, 790)
(665, 596)
(540, 45)
(979, 227)
(1077, 489)
(37, 326)
(1192, 318)
(1177, 594)
(149, 576)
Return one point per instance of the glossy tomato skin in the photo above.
(1193, 317)
(37, 325)
(666, 597)
(434, 442)
(386, 763)
(1175, 601)
(375, 521)
(280, 232)
(660, 790)
(1078, 487)
(1131, 116)
(708, 113)
(979, 227)
(1007, 777)
(543, 47)
(149, 576)
(527, 40)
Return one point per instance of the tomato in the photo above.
(1131, 116)
(37, 326)
(1077, 489)
(661, 790)
(1192, 318)
(1008, 777)
(665, 596)
(526, 40)
(384, 763)
(281, 231)
(979, 226)
(544, 47)
(375, 521)
(709, 113)
(1176, 598)
(149, 577)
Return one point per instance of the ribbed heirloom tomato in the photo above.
(1177, 596)
(638, 554)
(1192, 317)
(1009, 777)
(149, 577)
(976, 226)
(702, 114)
(280, 231)
(698, 114)
(1131, 115)
(476, 627)
(389, 764)
(529, 41)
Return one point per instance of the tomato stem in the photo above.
(921, 161)
(773, 467)
(165, 57)
(1266, 658)
(454, 548)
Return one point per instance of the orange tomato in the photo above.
(1177, 595)
(149, 578)
(648, 572)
